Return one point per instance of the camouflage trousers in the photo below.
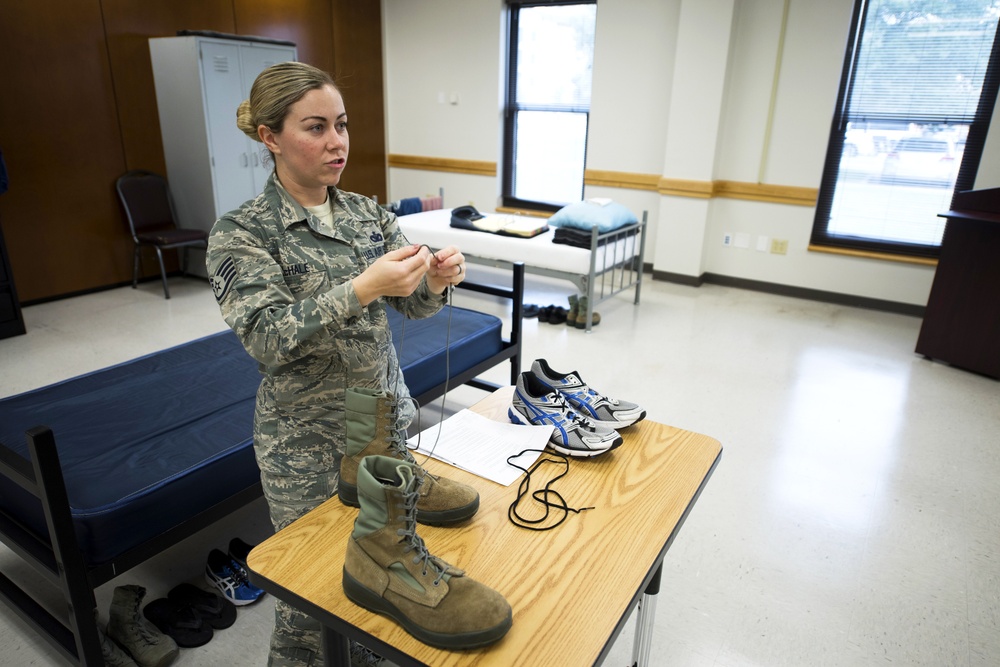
(298, 449)
(295, 641)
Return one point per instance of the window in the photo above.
(916, 97)
(547, 102)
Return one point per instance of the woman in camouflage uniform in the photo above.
(303, 274)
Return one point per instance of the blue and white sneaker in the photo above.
(223, 572)
(602, 410)
(573, 434)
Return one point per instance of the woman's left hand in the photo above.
(447, 268)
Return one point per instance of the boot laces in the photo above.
(398, 445)
(364, 657)
(413, 541)
(145, 631)
(395, 438)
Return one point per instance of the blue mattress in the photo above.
(149, 443)
(113, 426)
(422, 344)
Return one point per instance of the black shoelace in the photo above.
(542, 495)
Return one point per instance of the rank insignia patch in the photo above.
(223, 278)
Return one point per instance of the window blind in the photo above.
(916, 100)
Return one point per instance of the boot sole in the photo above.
(363, 596)
(348, 494)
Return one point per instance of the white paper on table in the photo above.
(482, 446)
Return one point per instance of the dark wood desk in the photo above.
(962, 320)
(572, 588)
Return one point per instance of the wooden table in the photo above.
(571, 588)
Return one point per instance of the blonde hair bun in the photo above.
(244, 120)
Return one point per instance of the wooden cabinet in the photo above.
(200, 81)
(962, 320)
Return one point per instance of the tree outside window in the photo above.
(915, 103)
(547, 106)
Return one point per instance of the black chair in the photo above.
(150, 212)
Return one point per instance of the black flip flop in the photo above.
(531, 310)
(180, 622)
(215, 610)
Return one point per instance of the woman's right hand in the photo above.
(396, 273)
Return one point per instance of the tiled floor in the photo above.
(854, 518)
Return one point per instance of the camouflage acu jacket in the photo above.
(283, 282)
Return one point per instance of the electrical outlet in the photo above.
(727, 239)
(779, 246)
(762, 243)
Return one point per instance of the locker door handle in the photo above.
(244, 161)
(256, 161)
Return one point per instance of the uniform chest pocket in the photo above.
(307, 283)
(311, 263)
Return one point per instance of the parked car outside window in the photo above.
(923, 160)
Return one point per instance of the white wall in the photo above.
(807, 76)
(633, 59)
(646, 91)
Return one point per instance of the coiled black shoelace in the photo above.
(542, 495)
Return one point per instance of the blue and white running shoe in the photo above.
(223, 572)
(602, 410)
(573, 434)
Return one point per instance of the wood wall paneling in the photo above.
(86, 112)
(129, 26)
(304, 22)
(357, 40)
(63, 149)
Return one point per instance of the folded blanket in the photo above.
(573, 237)
(405, 206)
(578, 237)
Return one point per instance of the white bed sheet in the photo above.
(434, 228)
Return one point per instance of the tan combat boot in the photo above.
(371, 429)
(148, 646)
(388, 569)
(581, 317)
